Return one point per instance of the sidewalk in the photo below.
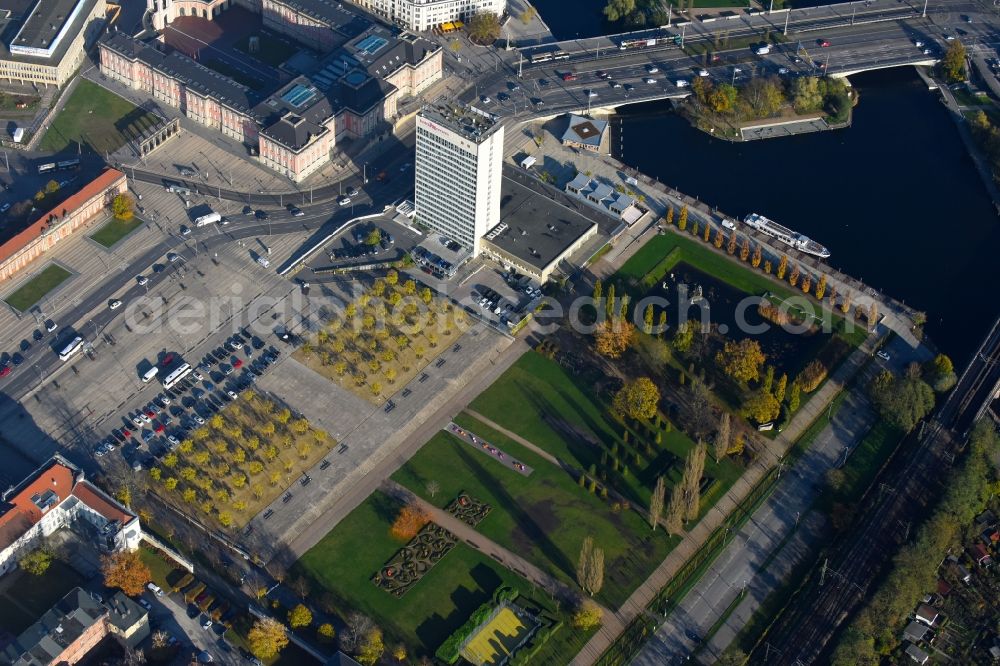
(695, 539)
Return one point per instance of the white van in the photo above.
(263, 261)
(762, 50)
(207, 219)
(152, 372)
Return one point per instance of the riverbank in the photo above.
(852, 191)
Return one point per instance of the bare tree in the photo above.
(160, 639)
(723, 435)
(675, 510)
(301, 587)
(656, 503)
(358, 624)
(590, 567)
(694, 468)
(433, 487)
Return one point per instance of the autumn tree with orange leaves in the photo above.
(126, 571)
(410, 520)
(613, 337)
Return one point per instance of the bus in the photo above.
(46, 168)
(70, 349)
(68, 164)
(174, 378)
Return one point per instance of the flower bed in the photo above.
(468, 509)
(415, 559)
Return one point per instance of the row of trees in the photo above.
(987, 136)
(637, 13)
(685, 496)
(875, 631)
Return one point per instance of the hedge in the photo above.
(449, 650)
(184, 582)
(194, 592)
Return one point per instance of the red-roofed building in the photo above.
(76, 211)
(55, 496)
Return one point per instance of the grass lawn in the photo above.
(272, 51)
(96, 119)
(539, 399)
(164, 572)
(114, 230)
(543, 517)
(37, 287)
(24, 598)
(863, 463)
(349, 555)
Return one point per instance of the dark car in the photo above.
(247, 210)
(17, 359)
(37, 335)
(261, 214)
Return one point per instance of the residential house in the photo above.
(927, 614)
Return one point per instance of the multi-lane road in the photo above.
(92, 311)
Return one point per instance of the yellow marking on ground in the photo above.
(482, 649)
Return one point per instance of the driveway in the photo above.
(171, 614)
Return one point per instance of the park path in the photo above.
(531, 446)
(695, 539)
(498, 553)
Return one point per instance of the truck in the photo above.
(18, 134)
(207, 219)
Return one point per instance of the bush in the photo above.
(812, 376)
(183, 582)
(194, 592)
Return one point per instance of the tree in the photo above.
(782, 267)
(647, 320)
(484, 28)
(794, 396)
(755, 260)
(300, 616)
(614, 337)
(682, 220)
(637, 399)
(953, 62)
(410, 520)
(741, 360)
(731, 245)
(793, 279)
(656, 502)
(719, 238)
(903, 402)
(669, 219)
(590, 567)
(820, 288)
(326, 632)
(674, 519)
(587, 615)
(761, 406)
(811, 376)
(433, 488)
(694, 468)
(266, 638)
(722, 98)
(940, 373)
(779, 390)
(806, 95)
(762, 97)
(723, 435)
(399, 652)
(123, 207)
(37, 562)
(126, 571)
(745, 250)
(618, 10)
(528, 15)
(371, 647)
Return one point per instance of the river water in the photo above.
(895, 197)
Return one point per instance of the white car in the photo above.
(591, 93)
(652, 69)
(344, 201)
(142, 280)
(197, 419)
(681, 83)
(197, 375)
(650, 80)
(702, 72)
(145, 417)
(231, 394)
(173, 440)
(728, 224)
(156, 589)
(114, 304)
(136, 420)
(782, 70)
(919, 44)
(882, 355)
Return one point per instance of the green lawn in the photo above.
(114, 230)
(96, 119)
(344, 561)
(542, 402)
(272, 51)
(543, 517)
(864, 462)
(37, 287)
(163, 571)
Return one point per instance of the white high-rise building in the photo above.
(458, 169)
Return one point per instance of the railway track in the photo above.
(803, 634)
